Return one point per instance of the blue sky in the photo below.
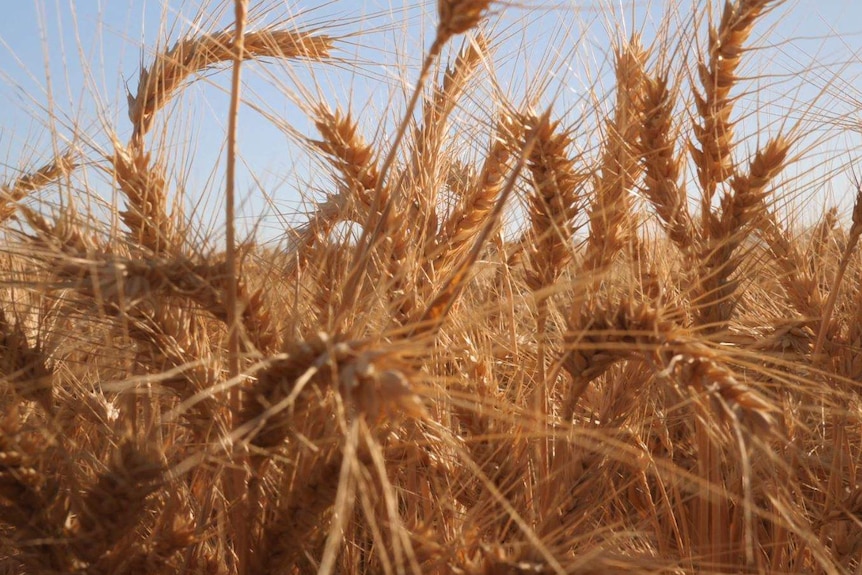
(811, 58)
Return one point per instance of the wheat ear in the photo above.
(454, 17)
(115, 504)
(553, 201)
(11, 193)
(852, 241)
(611, 225)
(24, 367)
(146, 216)
(427, 159)
(467, 218)
(662, 185)
(714, 133)
(171, 68)
(800, 284)
(31, 501)
(740, 210)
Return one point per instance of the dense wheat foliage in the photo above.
(652, 370)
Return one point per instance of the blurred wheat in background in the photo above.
(593, 341)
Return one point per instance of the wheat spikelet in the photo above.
(143, 298)
(440, 306)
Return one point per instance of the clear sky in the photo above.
(71, 59)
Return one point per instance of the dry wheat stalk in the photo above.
(189, 56)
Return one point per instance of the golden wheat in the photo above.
(452, 385)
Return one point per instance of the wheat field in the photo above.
(649, 368)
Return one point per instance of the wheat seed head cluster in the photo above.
(508, 336)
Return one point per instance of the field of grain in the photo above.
(649, 368)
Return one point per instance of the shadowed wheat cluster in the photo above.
(651, 371)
